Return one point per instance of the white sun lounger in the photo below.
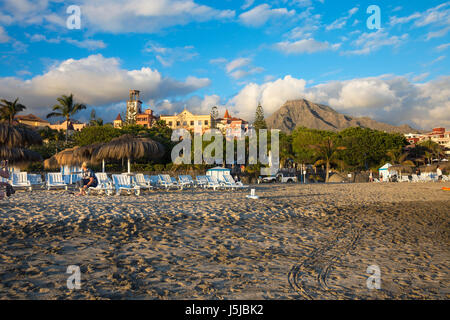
(445, 178)
(201, 181)
(228, 179)
(104, 185)
(20, 180)
(124, 182)
(166, 181)
(186, 181)
(214, 183)
(404, 179)
(55, 180)
(142, 182)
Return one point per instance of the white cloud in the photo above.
(247, 4)
(372, 41)
(237, 63)
(168, 56)
(341, 22)
(443, 46)
(259, 15)
(94, 80)
(304, 46)
(88, 44)
(3, 35)
(119, 16)
(437, 34)
(392, 99)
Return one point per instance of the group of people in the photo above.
(438, 173)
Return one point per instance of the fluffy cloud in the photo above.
(372, 41)
(259, 15)
(89, 44)
(119, 16)
(94, 80)
(116, 16)
(392, 99)
(168, 56)
(304, 46)
(341, 22)
(3, 35)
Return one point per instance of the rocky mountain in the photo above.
(303, 113)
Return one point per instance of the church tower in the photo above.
(134, 107)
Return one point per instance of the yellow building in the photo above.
(32, 121)
(72, 125)
(187, 120)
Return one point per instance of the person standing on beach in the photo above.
(4, 173)
(370, 176)
(89, 180)
(439, 173)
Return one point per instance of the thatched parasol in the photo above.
(432, 168)
(401, 168)
(18, 136)
(19, 157)
(129, 147)
(51, 163)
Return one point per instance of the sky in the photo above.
(233, 54)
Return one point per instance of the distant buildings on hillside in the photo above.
(438, 135)
(36, 122)
(183, 120)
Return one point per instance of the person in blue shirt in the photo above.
(89, 180)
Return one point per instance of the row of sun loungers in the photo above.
(419, 178)
(119, 183)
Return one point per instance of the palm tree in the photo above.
(9, 109)
(433, 150)
(66, 108)
(327, 152)
(398, 157)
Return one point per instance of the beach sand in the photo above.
(295, 242)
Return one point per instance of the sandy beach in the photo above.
(296, 242)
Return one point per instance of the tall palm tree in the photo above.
(433, 150)
(9, 109)
(328, 153)
(66, 108)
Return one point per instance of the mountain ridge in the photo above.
(303, 113)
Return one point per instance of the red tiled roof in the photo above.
(119, 118)
(227, 115)
(29, 117)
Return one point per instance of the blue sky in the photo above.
(232, 54)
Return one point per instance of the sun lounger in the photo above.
(154, 181)
(228, 179)
(143, 183)
(186, 181)
(201, 181)
(20, 180)
(166, 181)
(124, 182)
(214, 183)
(104, 185)
(55, 180)
(404, 179)
(445, 178)
(35, 180)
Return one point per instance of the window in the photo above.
(178, 123)
(170, 123)
(184, 123)
(206, 122)
(192, 123)
(199, 122)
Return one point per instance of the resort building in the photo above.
(32, 121)
(118, 123)
(187, 120)
(146, 119)
(231, 125)
(71, 125)
(134, 107)
(438, 135)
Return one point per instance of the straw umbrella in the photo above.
(129, 147)
(401, 168)
(19, 157)
(51, 163)
(18, 136)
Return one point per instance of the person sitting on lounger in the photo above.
(89, 180)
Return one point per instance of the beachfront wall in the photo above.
(218, 172)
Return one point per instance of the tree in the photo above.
(432, 150)
(9, 109)
(327, 152)
(66, 108)
(94, 121)
(302, 140)
(397, 156)
(259, 122)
